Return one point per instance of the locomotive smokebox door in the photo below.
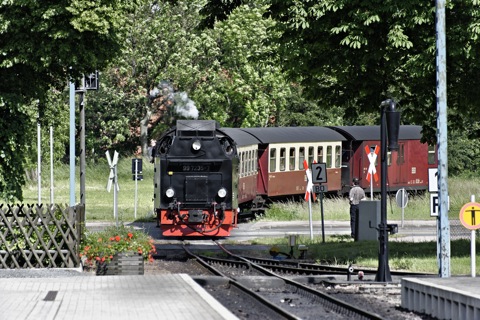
(196, 188)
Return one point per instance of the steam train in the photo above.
(206, 176)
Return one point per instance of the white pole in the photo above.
(310, 215)
(51, 165)
(136, 186)
(472, 246)
(39, 162)
(115, 194)
(371, 187)
(403, 205)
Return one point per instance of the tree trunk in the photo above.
(144, 133)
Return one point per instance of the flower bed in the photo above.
(100, 248)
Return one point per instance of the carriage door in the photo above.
(401, 175)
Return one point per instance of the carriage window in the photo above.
(338, 157)
(301, 156)
(292, 159)
(273, 160)
(255, 161)
(389, 158)
(320, 155)
(431, 154)
(252, 162)
(329, 156)
(282, 159)
(401, 154)
(310, 155)
(242, 162)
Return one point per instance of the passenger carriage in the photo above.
(406, 168)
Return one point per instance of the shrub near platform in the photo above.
(117, 249)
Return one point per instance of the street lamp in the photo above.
(390, 123)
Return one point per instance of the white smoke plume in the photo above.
(185, 106)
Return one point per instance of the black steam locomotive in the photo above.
(195, 181)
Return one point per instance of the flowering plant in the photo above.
(103, 245)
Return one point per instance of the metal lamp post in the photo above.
(390, 122)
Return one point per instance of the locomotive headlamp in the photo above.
(170, 192)
(196, 145)
(222, 193)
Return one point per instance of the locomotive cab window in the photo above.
(273, 160)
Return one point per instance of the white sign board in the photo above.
(319, 172)
(432, 179)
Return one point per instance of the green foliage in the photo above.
(42, 45)
(15, 137)
(354, 54)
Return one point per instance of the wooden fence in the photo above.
(40, 236)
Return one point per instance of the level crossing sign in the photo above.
(470, 215)
(372, 153)
(309, 188)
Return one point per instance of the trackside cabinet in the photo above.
(368, 220)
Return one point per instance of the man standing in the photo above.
(356, 194)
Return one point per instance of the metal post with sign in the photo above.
(137, 175)
(372, 153)
(319, 175)
(402, 199)
(470, 218)
(308, 194)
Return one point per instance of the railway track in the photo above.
(268, 290)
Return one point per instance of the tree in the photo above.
(227, 73)
(357, 53)
(354, 53)
(42, 45)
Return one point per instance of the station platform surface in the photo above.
(443, 298)
(170, 296)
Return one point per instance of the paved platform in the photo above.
(175, 296)
(443, 298)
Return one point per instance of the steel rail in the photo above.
(336, 303)
(280, 311)
(327, 268)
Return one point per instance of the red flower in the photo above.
(130, 235)
(117, 238)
